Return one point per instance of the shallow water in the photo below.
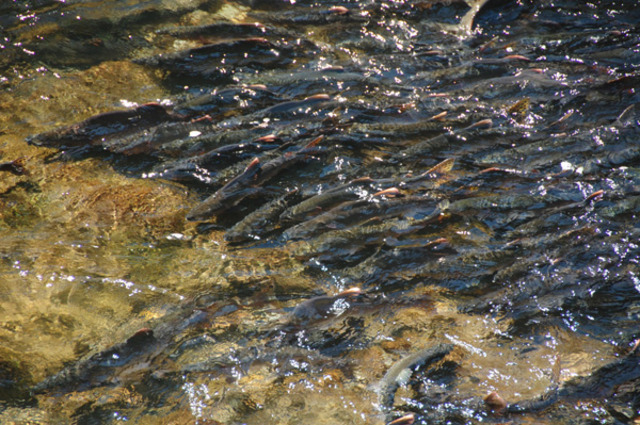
(524, 254)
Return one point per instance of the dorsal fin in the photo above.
(253, 164)
(269, 138)
(483, 123)
(313, 143)
(362, 180)
(349, 292)
(594, 195)
(319, 96)
(392, 191)
(438, 117)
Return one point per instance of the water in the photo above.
(523, 254)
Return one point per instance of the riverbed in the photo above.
(486, 155)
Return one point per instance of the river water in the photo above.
(521, 248)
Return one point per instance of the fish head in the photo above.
(220, 202)
(207, 209)
(229, 195)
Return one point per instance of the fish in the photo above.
(293, 106)
(15, 167)
(95, 130)
(313, 16)
(403, 420)
(125, 361)
(230, 101)
(439, 141)
(313, 79)
(514, 201)
(374, 271)
(248, 183)
(431, 124)
(629, 155)
(401, 371)
(357, 189)
(217, 29)
(218, 62)
(353, 213)
(430, 180)
(199, 167)
(261, 221)
(340, 245)
(322, 307)
(226, 153)
(181, 61)
(148, 353)
(329, 198)
(229, 195)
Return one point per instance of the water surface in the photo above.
(529, 264)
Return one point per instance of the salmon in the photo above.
(248, 183)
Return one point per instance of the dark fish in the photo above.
(149, 352)
(224, 154)
(294, 106)
(556, 205)
(176, 61)
(604, 381)
(404, 254)
(440, 141)
(95, 371)
(503, 203)
(217, 29)
(325, 79)
(430, 180)
(431, 124)
(358, 189)
(288, 359)
(324, 200)
(628, 205)
(248, 183)
(158, 140)
(214, 62)
(312, 16)
(229, 195)
(625, 156)
(95, 130)
(14, 167)
(213, 137)
(353, 213)
(227, 102)
(260, 222)
(122, 362)
(199, 167)
(341, 245)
